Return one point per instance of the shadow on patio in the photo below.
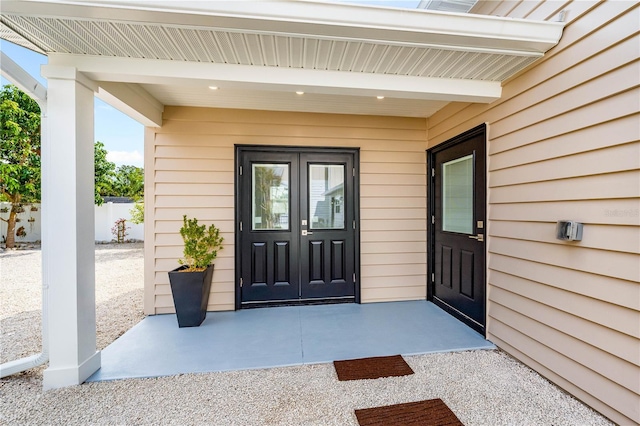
(284, 336)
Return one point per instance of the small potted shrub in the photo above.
(191, 282)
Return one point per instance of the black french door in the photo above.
(297, 239)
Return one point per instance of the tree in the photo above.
(104, 173)
(124, 181)
(129, 182)
(137, 213)
(19, 154)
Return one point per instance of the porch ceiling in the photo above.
(260, 53)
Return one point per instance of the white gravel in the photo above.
(481, 387)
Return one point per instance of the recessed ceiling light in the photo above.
(299, 92)
(213, 87)
(380, 97)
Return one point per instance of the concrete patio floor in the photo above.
(284, 336)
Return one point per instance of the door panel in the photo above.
(458, 202)
(327, 206)
(300, 242)
(270, 190)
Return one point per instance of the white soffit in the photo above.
(330, 49)
(8, 34)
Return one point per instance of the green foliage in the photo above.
(128, 182)
(137, 213)
(104, 173)
(201, 244)
(19, 153)
(124, 181)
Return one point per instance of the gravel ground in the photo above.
(481, 387)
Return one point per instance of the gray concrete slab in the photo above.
(283, 336)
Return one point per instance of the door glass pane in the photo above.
(326, 196)
(457, 195)
(270, 196)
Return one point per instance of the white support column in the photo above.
(68, 227)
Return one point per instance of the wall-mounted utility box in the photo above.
(569, 230)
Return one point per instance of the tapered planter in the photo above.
(190, 295)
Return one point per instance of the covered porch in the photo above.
(284, 336)
(157, 60)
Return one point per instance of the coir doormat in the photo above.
(432, 412)
(372, 368)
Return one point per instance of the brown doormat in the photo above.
(372, 368)
(432, 412)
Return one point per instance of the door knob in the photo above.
(305, 232)
(479, 237)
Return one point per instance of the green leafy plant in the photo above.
(19, 154)
(104, 171)
(128, 181)
(201, 244)
(137, 213)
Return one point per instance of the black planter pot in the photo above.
(190, 295)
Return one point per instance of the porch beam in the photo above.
(23, 80)
(68, 227)
(132, 100)
(164, 72)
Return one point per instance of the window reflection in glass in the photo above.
(326, 196)
(270, 196)
(457, 195)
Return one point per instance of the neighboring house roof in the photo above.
(118, 200)
(342, 56)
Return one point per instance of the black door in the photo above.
(458, 200)
(297, 235)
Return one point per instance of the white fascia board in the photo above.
(316, 19)
(164, 72)
(23, 80)
(133, 101)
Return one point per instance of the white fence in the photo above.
(27, 223)
(106, 216)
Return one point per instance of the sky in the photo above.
(122, 136)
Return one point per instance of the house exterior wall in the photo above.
(192, 173)
(564, 144)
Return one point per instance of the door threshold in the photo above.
(298, 302)
(475, 325)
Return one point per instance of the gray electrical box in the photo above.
(569, 230)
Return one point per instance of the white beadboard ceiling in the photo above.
(260, 53)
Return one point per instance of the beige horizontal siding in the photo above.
(564, 143)
(604, 237)
(576, 350)
(391, 236)
(623, 346)
(597, 212)
(604, 186)
(611, 159)
(193, 173)
(602, 135)
(610, 290)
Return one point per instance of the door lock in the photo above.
(479, 237)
